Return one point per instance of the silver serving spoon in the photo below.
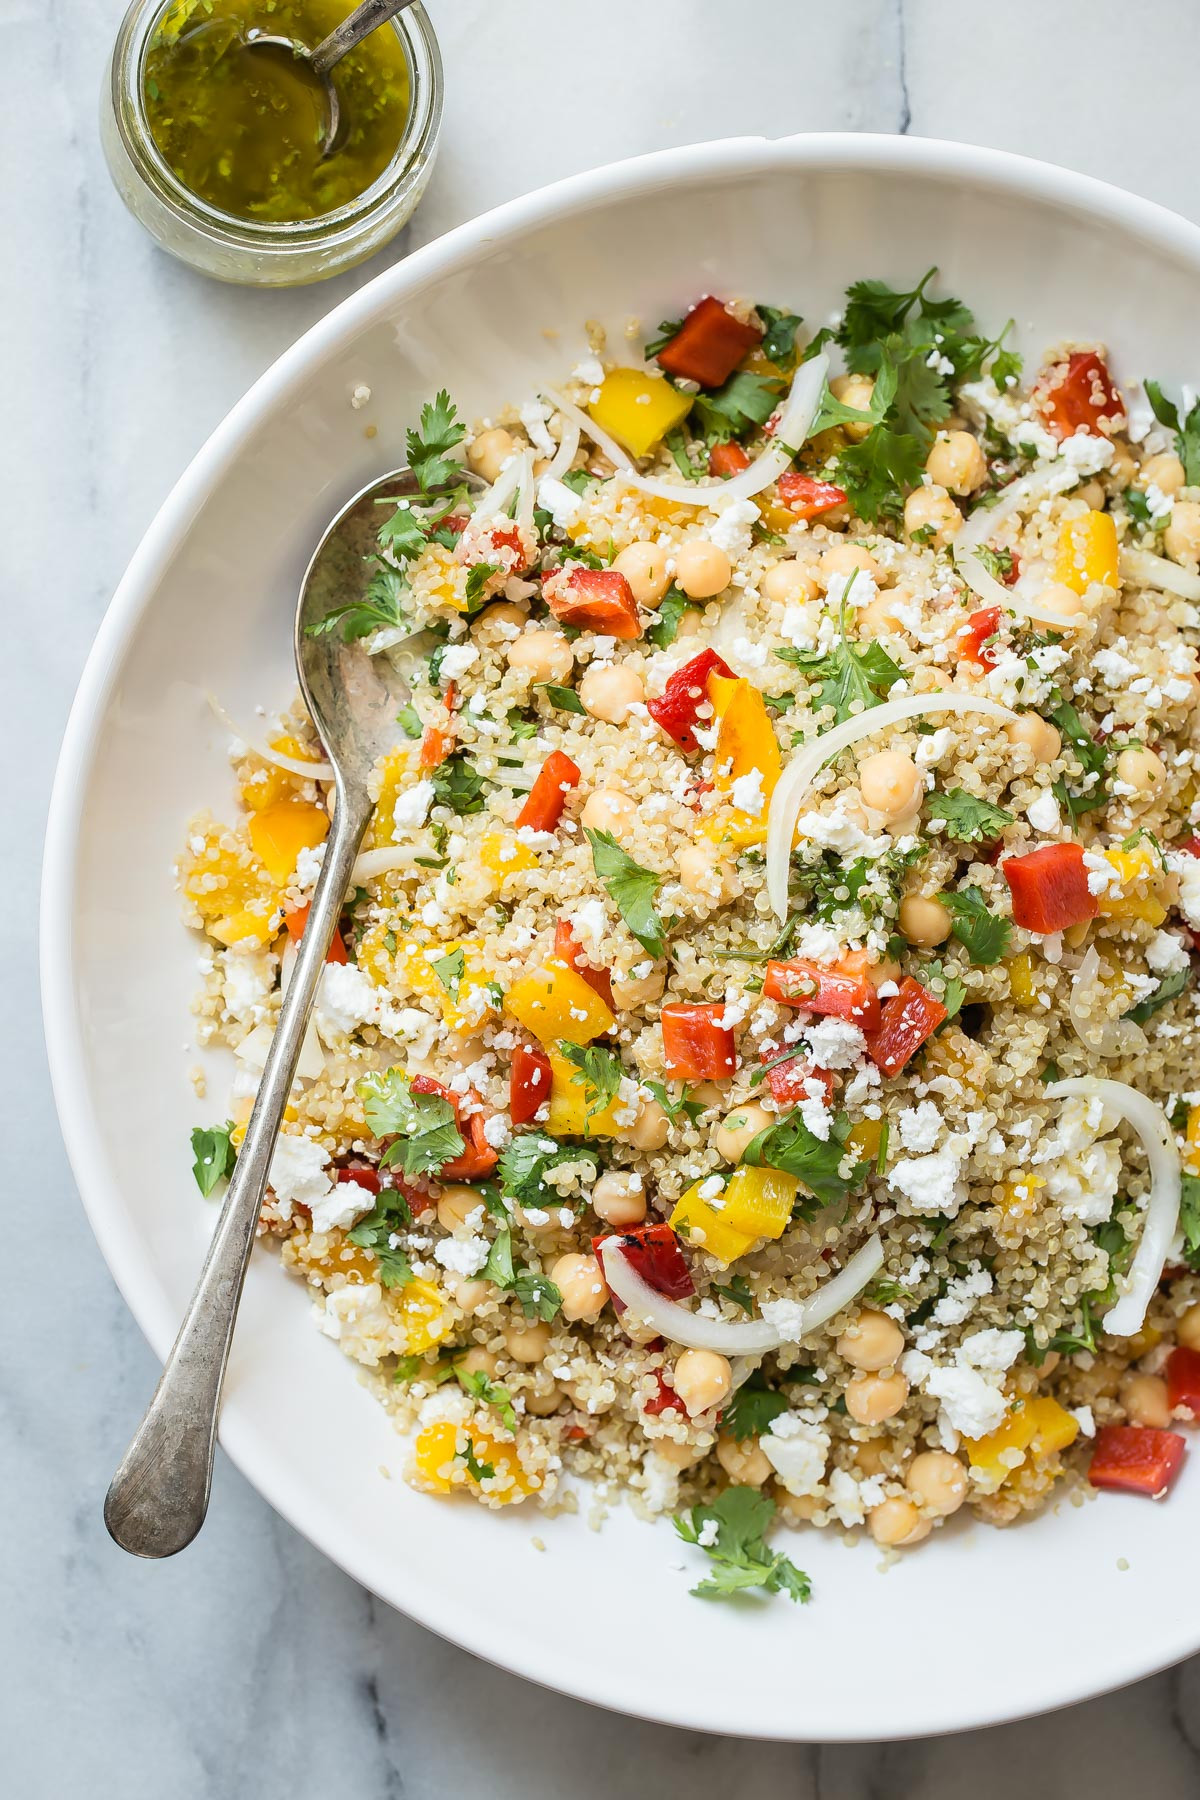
(159, 1495)
(362, 22)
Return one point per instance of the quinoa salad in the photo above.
(755, 1071)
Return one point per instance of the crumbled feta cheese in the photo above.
(1165, 953)
(298, 1167)
(339, 1208)
(346, 1000)
(308, 866)
(1113, 668)
(412, 806)
(563, 505)
(931, 1184)
(456, 660)
(731, 532)
(1043, 814)
(1187, 868)
(993, 1351)
(919, 1126)
(835, 1043)
(465, 1256)
(247, 982)
(962, 1291)
(797, 1451)
(747, 794)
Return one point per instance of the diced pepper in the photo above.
(1039, 1423)
(709, 345)
(753, 1204)
(1080, 395)
(593, 600)
(979, 627)
(279, 833)
(528, 1083)
(653, 1252)
(807, 984)
(460, 1009)
(394, 774)
(1141, 882)
(297, 919)
(1021, 984)
(245, 925)
(1191, 1156)
(440, 1463)
(728, 459)
(806, 497)
(865, 1137)
(696, 1045)
(788, 1080)
(638, 409)
(567, 947)
(1136, 1459)
(746, 738)
(421, 1309)
(1183, 1380)
(1049, 888)
(555, 1003)
(573, 1109)
(664, 1400)
(1018, 1198)
(478, 1158)
(502, 855)
(548, 795)
(436, 746)
(910, 1017)
(676, 709)
(1088, 552)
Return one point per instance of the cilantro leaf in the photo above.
(851, 679)
(690, 1109)
(948, 987)
(450, 970)
(601, 1070)
(404, 535)
(379, 609)
(630, 887)
(478, 1471)
(833, 411)
(214, 1155)
(667, 329)
(671, 609)
(792, 1147)
(457, 785)
(735, 408)
(983, 934)
(752, 1407)
(690, 467)
(564, 698)
(390, 1215)
(874, 311)
(579, 480)
(779, 338)
(880, 471)
(967, 819)
(536, 1294)
(528, 1158)
(731, 1532)
(481, 1387)
(1187, 430)
(1092, 758)
(1189, 1220)
(737, 1292)
(1169, 988)
(428, 448)
(409, 721)
(424, 1126)
(520, 727)
(477, 579)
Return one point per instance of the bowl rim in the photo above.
(121, 1246)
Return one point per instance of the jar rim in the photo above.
(423, 56)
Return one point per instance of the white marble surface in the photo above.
(250, 1664)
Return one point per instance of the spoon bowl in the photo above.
(361, 23)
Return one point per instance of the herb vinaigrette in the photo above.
(243, 129)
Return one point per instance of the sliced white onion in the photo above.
(682, 1326)
(494, 500)
(373, 863)
(616, 456)
(525, 495)
(564, 456)
(1019, 496)
(792, 427)
(520, 776)
(254, 1048)
(1145, 569)
(317, 771)
(806, 764)
(1161, 1218)
(1104, 1037)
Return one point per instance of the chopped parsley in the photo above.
(528, 1158)
(378, 609)
(535, 1293)
(424, 1126)
(731, 1532)
(429, 446)
(738, 406)
(601, 1071)
(478, 1471)
(682, 1106)
(792, 1147)
(1189, 1220)
(389, 1216)
(665, 628)
(737, 1292)
(967, 819)
(477, 579)
(457, 785)
(214, 1155)
(983, 934)
(946, 986)
(450, 970)
(1092, 758)
(564, 698)
(1169, 988)
(630, 887)
(752, 1407)
(852, 680)
(1187, 431)
(409, 721)
(779, 337)
(667, 329)
(481, 1387)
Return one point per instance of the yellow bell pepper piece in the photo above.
(556, 1004)
(1040, 1424)
(1087, 552)
(639, 409)
(753, 1204)
(570, 1100)
(745, 735)
(279, 833)
(245, 925)
(1191, 1158)
(440, 1463)
(865, 1137)
(394, 774)
(731, 827)
(461, 1009)
(1021, 984)
(421, 1309)
(1019, 1198)
(267, 782)
(503, 855)
(443, 577)
(1141, 877)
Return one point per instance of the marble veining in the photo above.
(251, 1664)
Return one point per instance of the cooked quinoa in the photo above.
(569, 1005)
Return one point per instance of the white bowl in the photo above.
(976, 1626)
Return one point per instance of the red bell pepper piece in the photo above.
(709, 344)
(1136, 1459)
(568, 950)
(788, 1079)
(593, 600)
(1183, 1380)
(1080, 395)
(665, 1400)
(548, 795)
(979, 627)
(727, 459)
(697, 1046)
(528, 1083)
(297, 919)
(677, 708)
(365, 1175)
(910, 1017)
(436, 746)
(806, 496)
(653, 1252)
(807, 984)
(477, 1158)
(1049, 888)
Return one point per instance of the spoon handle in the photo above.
(362, 21)
(159, 1495)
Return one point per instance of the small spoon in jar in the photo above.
(362, 22)
(159, 1495)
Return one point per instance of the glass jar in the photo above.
(265, 253)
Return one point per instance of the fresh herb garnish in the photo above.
(1169, 988)
(779, 337)
(429, 446)
(477, 579)
(481, 1387)
(731, 1532)
(457, 785)
(751, 1408)
(450, 969)
(852, 680)
(1092, 758)
(967, 819)
(379, 609)
(601, 1071)
(389, 1216)
(528, 1158)
(667, 329)
(946, 985)
(671, 609)
(409, 721)
(426, 1132)
(564, 698)
(214, 1155)
(735, 408)
(1189, 1220)
(1187, 431)
(680, 1107)
(737, 1292)
(983, 934)
(535, 1293)
(630, 887)
(792, 1147)
(478, 1471)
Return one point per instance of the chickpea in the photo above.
(844, 559)
(789, 583)
(1144, 1398)
(897, 1523)
(468, 1295)
(542, 1404)
(678, 1456)
(891, 783)
(956, 461)
(702, 569)
(930, 509)
(855, 391)
(542, 655)
(455, 1205)
(937, 1482)
(871, 1458)
(1188, 1328)
(619, 1198)
(1164, 471)
(479, 1362)
(1181, 539)
(609, 810)
(1057, 597)
(870, 1399)
(879, 618)
(702, 1379)
(690, 622)
(873, 1341)
(794, 1509)
(608, 690)
(1141, 770)
(1092, 494)
(743, 1460)
(582, 1286)
(1123, 468)
(702, 871)
(528, 1340)
(1036, 734)
(924, 921)
(488, 453)
(644, 567)
(505, 613)
(739, 1128)
(635, 990)
(652, 1127)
